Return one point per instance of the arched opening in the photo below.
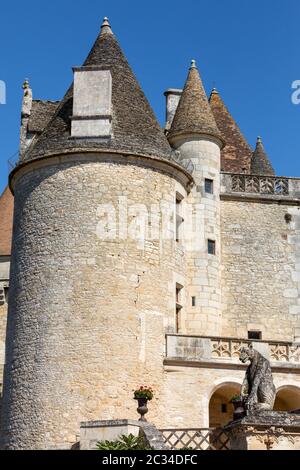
(287, 398)
(220, 408)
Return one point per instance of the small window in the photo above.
(254, 335)
(178, 319)
(193, 301)
(209, 186)
(224, 408)
(179, 217)
(6, 294)
(178, 307)
(211, 247)
(2, 297)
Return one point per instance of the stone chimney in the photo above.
(172, 99)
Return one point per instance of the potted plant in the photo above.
(142, 395)
(238, 405)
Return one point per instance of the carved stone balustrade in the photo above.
(274, 187)
(226, 351)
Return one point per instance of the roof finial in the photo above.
(25, 84)
(193, 64)
(259, 140)
(214, 91)
(27, 99)
(105, 27)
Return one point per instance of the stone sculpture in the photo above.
(258, 391)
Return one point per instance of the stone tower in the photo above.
(195, 135)
(90, 305)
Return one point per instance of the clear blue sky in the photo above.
(248, 49)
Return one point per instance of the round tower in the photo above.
(194, 134)
(90, 301)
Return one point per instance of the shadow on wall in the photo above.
(287, 398)
(220, 408)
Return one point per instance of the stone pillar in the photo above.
(267, 430)
(172, 99)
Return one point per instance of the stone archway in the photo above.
(220, 408)
(287, 398)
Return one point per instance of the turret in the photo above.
(260, 163)
(92, 282)
(195, 136)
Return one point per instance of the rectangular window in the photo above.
(6, 294)
(254, 335)
(211, 247)
(179, 216)
(209, 186)
(224, 408)
(178, 307)
(193, 301)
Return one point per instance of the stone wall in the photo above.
(88, 315)
(4, 282)
(3, 316)
(183, 402)
(260, 269)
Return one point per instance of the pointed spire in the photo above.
(105, 27)
(135, 128)
(260, 164)
(214, 91)
(237, 153)
(193, 114)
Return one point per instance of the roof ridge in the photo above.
(46, 101)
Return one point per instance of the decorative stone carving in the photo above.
(259, 184)
(258, 390)
(265, 430)
(27, 99)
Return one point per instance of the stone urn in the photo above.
(238, 408)
(142, 408)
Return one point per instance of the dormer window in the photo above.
(91, 102)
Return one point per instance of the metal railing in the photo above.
(13, 161)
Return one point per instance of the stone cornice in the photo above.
(157, 164)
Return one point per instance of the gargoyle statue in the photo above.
(258, 391)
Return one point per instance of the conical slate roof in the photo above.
(193, 114)
(237, 153)
(260, 164)
(134, 127)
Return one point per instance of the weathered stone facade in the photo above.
(97, 332)
(260, 269)
(103, 299)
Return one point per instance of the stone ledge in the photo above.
(109, 423)
(268, 418)
(265, 430)
(92, 432)
(226, 364)
(265, 198)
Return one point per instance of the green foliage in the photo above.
(236, 398)
(144, 392)
(129, 442)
